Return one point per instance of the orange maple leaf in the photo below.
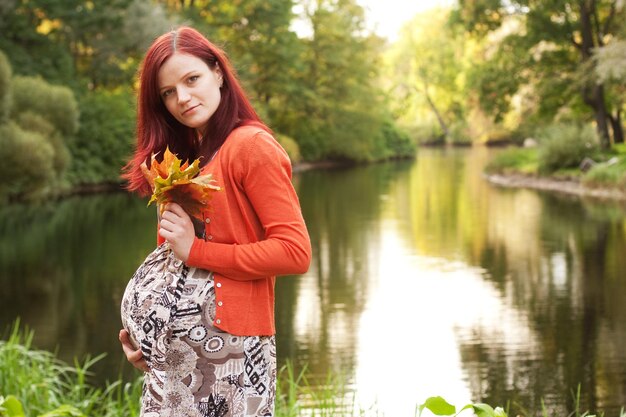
(174, 181)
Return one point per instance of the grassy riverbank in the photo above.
(36, 383)
(605, 175)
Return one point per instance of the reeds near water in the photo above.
(35, 383)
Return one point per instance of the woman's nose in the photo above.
(183, 95)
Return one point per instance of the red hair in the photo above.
(157, 128)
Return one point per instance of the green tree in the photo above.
(258, 37)
(54, 103)
(428, 71)
(80, 43)
(105, 139)
(24, 37)
(341, 109)
(42, 114)
(551, 49)
(27, 163)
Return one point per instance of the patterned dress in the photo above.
(196, 370)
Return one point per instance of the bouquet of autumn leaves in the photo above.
(178, 182)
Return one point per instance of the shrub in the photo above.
(36, 123)
(397, 142)
(513, 160)
(602, 175)
(54, 103)
(565, 146)
(458, 134)
(5, 87)
(27, 163)
(425, 133)
(105, 139)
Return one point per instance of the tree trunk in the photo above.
(442, 124)
(593, 94)
(616, 125)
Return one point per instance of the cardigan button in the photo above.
(218, 321)
(219, 285)
(210, 237)
(207, 220)
(219, 303)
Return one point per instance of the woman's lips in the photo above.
(190, 109)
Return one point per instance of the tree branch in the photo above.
(596, 23)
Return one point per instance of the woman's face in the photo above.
(190, 90)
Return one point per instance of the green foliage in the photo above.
(56, 104)
(458, 134)
(497, 79)
(38, 383)
(11, 407)
(335, 109)
(565, 146)
(521, 160)
(5, 87)
(104, 141)
(425, 133)
(440, 407)
(426, 74)
(36, 123)
(80, 43)
(396, 142)
(51, 113)
(611, 61)
(291, 147)
(607, 175)
(143, 21)
(542, 54)
(27, 163)
(35, 383)
(31, 50)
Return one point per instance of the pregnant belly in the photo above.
(165, 299)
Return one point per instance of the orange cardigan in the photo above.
(254, 231)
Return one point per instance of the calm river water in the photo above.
(426, 280)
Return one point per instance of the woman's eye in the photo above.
(193, 78)
(166, 93)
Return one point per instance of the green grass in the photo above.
(42, 385)
(36, 383)
(605, 175)
(514, 160)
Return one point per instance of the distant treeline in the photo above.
(489, 71)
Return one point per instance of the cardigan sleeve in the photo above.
(264, 172)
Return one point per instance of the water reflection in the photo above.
(63, 267)
(555, 266)
(425, 281)
(318, 315)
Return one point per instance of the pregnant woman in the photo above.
(198, 314)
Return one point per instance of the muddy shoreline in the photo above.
(561, 186)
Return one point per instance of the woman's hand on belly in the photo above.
(134, 356)
(177, 228)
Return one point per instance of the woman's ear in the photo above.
(220, 75)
